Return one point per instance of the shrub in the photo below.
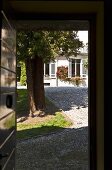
(62, 72)
(76, 80)
(23, 74)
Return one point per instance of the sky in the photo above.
(83, 36)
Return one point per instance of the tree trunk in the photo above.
(39, 95)
(30, 84)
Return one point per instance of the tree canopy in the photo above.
(37, 48)
(47, 44)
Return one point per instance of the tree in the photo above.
(23, 74)
(35, 48)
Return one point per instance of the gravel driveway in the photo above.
(67, 150)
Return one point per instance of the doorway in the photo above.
(92, 81)
(68, 144)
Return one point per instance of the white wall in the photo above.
(62, 63)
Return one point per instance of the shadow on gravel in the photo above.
(67, 97)
(65, 150)
(37, 132)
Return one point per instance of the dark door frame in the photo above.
(93, 12)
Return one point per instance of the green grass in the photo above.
(55, 123)
(22, 103)
(58, 122)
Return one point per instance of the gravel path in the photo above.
(67, 150)
(73, 101)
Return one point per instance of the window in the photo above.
(76, 67)
(52, 70)
(46, 73)
(73, 67)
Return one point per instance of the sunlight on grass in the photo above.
(58, 122)
(26, 130)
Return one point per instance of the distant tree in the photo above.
(35, 48)
(23, 74)
(86, 61)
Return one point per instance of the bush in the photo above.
(23, 74)
(62, 72)
(76, 80)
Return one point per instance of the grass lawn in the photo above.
(52, 121)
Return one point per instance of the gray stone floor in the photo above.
(67, 150)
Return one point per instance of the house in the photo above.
(75, 68)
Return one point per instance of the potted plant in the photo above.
(77, 80)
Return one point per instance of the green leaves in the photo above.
(47, 44)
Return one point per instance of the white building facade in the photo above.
(75, 68)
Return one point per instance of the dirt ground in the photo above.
(40, 116)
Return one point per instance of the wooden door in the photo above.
(7, 94)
